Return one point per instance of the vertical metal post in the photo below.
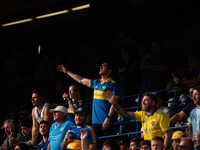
(138, 108)
(174, 106)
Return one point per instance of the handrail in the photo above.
(163, 90)
(125, 122)
(131, 133)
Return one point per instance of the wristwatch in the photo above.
(108, 117)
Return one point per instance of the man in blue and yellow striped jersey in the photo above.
(72, 141)
(103, 113)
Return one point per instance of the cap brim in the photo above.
(81, 113)
(52, 110)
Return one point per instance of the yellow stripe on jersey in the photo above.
(108, 80)
(74, 144)
(100, 95)
(90, 83)
(92, 132)
(69, 110)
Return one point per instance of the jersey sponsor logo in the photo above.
(100, 95)
(153, 123)
(95, 87)
(148, 131)
(56, 137)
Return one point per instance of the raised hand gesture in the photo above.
(111, 97)
(83, 134)
(61, 68)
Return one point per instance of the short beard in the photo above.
(146, 108)
(81, 123)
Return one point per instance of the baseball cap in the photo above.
(177, 135)
(81, 110)
(59, 108)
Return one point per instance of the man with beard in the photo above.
(73, 141)
(103, 113)
(40, 112)
(154, 121)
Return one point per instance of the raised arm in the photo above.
(74, 76)
(106, 123)
(114, 101)
(84, 142)
(72, 107)
(83, 139)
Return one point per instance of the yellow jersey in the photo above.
(154, 124)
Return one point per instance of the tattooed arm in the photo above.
(120, 110)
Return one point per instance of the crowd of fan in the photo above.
(141, 69)
(19, 136)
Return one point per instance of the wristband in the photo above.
(108, 117)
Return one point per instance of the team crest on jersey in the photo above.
(143, 121)
(61, 129)
(153, 123)
(95, 87)
(104, 87)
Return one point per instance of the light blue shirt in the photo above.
(194, 120)
(57, 134)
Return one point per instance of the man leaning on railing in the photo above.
(154, 121)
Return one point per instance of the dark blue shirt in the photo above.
(188, 108)
(42, 145)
